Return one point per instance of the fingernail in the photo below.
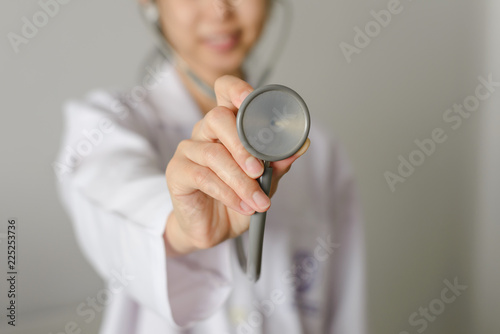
(304, 147)
(244, 95)
(261, 200)
(254, 167)
(245, 207)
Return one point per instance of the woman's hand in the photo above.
(212, 178)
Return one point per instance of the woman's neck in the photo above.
(204, 102)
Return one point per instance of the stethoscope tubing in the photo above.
(252, 262)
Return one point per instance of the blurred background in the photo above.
(442, 223)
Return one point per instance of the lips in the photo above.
(222, 42)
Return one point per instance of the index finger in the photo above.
(231, 91)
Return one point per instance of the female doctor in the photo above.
(161, 185)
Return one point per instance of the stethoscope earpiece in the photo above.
(150, 12)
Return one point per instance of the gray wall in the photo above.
(395, 91)
(486, 270)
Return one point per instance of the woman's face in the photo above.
(213, 35)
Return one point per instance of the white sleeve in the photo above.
(113, 186)
(348, 309)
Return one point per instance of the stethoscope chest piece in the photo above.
(273, 124)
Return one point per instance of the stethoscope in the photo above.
(273, 124)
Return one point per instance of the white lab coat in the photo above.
(111, 170)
